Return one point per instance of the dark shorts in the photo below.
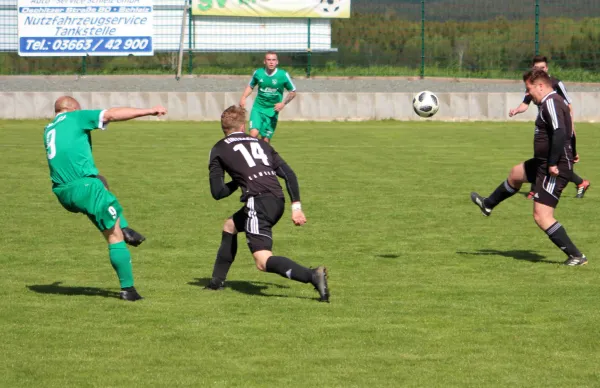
(547, 187)
(257, 219)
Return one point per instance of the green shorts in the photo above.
(264, 123)
(90, 197)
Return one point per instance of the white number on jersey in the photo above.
(51, 143)
(257, 153)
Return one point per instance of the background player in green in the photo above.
(74, 176)
(269, 100)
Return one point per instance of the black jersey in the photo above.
(558, 87)
(253, 166)
(554, 115)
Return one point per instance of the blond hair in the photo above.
(233, 118)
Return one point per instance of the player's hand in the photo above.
(576, 159)
(553, 170)
(298, 217)
(279, 107)
(512, 112)
(243, 102)
(159, 110)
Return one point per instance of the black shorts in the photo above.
(257, 218)
(547, 187)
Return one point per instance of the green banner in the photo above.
(273, 8)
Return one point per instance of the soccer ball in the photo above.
(330, 6)
(425, 104)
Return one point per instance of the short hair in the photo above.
(271, 52)
(233, 118)
(537, 75)
(538, 59)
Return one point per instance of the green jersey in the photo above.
(68, 145)
(270, 88)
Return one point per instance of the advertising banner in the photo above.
(85, 27)
(273, 8)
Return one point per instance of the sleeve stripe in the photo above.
(290, 81)
(251, 78)
(101, 120)
(552, 111)
(564, 91)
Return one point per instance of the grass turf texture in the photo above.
(425, 290)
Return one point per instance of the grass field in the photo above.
(426, 292)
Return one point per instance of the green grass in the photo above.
(425, 291)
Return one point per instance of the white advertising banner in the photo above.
(85, 27)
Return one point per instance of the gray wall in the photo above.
(204, 106)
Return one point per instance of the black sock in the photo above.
(558, 235)
(289, 269)
(576, 179)
(501, 193)
(225, 256)
(532, 189)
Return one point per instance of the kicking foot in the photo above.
(479, 201)
(132, 237)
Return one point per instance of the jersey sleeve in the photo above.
(553, 115)
(91, 119)
(527, 98)
(253, 80)
(562, 90)
(288, 84)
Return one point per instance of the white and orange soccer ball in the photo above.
(426, 104)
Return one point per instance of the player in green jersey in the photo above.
(74, 176)
(269, 100)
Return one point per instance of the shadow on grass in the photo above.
(249, 288)
(388, 256)
(526, 255)
(57, 289)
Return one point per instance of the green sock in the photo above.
(120, 258)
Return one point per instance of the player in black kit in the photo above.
(541, 62)
(254, 167)
(550, 168)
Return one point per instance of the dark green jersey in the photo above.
(270, 88)
(68, 147)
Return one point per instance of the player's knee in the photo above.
(254, 133)
(114, 235)
(229, 226)
(260, 259)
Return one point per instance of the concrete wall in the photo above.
(205, 106)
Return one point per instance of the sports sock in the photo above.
(532, 188)
(558, 235)
(120, 258)
(501, 193)
(289, 269)
(225, 256)
(576, 179)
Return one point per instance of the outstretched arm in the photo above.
(520, 109)
(123, 114)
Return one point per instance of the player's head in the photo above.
(66, 104)
(540, 62)
(538, 84)
(271, 60)
(233, 119)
